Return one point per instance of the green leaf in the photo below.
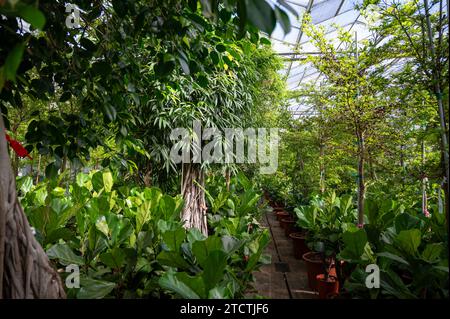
(231, 244)
(170, 282)
(51, 171)
(97, 181)
(215, 57)
(214, 267)
(221, 48)
(113, 259)
(393, 257)
(265, 41)
(107, 181)
(406, 221)
(172, 259)
(196, 283)
(64, 254)
(355, 244)
(432, 252)
(32, 15)
(102, 226)
(94, 289)
(110, 111)
(288, 7)
(408, 241)
(60, 233)
(261, 15)
(101, 68)
(283, 19)
(13, 60)
(174, 239)
(202, 249)
(184, 65)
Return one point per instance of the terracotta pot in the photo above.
(314, 267)
(327, 288)
(282, 214)
(289, 226)
(284, 221)
(300, 247)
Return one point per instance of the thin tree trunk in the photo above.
(227, 178)
(64, 164)
(25, 270)
(424, 181)
(322, 167)
(38, 170)
(192, 189)
(148, 175)
(438, 91)
(361, 180)
(373, 174)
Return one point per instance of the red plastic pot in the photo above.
(327, 288)
(314, 267)
(299, 241)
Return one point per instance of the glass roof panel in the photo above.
(295, 45)
(325, 10)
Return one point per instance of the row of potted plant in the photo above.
(410, 248)
(316, 231)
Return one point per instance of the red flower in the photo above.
(17, 147)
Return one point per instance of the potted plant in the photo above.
(281, 214)
(325, 219)
(299, 243)
(288, 225)
(327, 282)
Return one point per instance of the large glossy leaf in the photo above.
(114, 258)
(172, 259)
(262, 240)
(355, 245)
(408, 241)
(213, 268)
(173, 239)
(64, 254)
(12, 61)
(94, 289)
(196, 283)
(261, 15)
(32, 15)
(97, 181)
(107, 181)
(393, 257)
(432, 252)
(406, 221)
(201, 249)
(170, 282)
(283, 20)
(231, 244)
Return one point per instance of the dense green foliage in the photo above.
(365, 174)
(129, 242)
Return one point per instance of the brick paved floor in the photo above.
(285, 277)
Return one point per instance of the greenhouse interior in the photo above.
(224, 149)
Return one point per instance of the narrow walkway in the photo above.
(285, 277)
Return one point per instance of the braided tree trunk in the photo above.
(25, 271)
(194, 211)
